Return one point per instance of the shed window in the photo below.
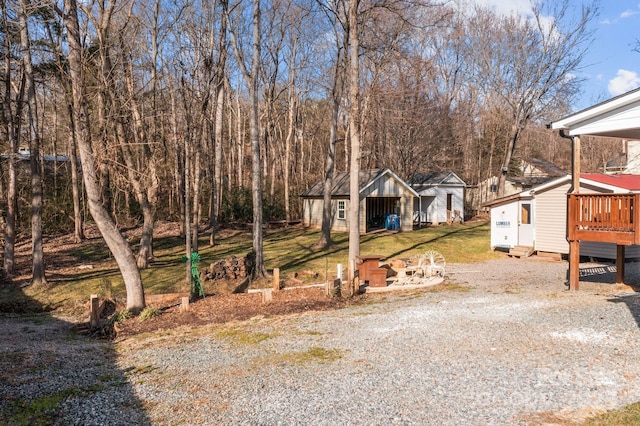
(341, 210)
(525, 213)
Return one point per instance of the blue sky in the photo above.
(611, 67)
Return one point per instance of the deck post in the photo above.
(620, 255)
(574, 265)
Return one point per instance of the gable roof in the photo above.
(341, 180)
(546, 167)
(436, 179)
(618, 117)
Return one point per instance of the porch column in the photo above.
(620, 264)
(574, 265)
(574, 246)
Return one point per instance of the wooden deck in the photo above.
(611, 218)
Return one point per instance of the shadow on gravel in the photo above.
(606, 274)
(52, 374)
(632, 300)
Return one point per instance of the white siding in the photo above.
(504, 225)
(312, 214)
(551, 220)
(385, 186)
(434, 202)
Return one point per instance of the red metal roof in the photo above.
(624, 181)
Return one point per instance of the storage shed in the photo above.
(385, 201)
(537, 218)
(440, 197)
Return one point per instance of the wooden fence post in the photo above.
(267, 295)
(95, 310)
(276, 279)
(184, 306)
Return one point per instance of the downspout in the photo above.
(572, 187)
(573, 160)
(573, 279)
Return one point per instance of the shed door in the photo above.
(525, 224)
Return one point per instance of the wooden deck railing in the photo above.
(604, 217)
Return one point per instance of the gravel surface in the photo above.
(505, 344)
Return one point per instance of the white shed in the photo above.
(537, 218)
(441, 197)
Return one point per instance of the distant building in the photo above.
(535, 172)
(628, 161)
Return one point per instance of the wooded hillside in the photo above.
(170, 101)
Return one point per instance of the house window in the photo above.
(341, 210)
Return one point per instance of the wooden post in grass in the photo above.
(184, 306)
(267, 295)
(276, 279)
(95, 310)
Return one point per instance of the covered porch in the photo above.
(613, 218)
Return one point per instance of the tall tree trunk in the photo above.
(512, 138)
(13, 134)
(325, 235)
(38, 273)
(252, 78)
(216, 193)
(78, 232)
(115, 241)
(195, 222)
(293, 113)
(354, 135)
(256, 178)
(143, 178)
(187, 207)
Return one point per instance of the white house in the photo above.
(440, 197)
(382, 194)
(537, 218)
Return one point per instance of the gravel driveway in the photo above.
(506, 344)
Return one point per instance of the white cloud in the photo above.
(628, 13)
(624, 81)
(606, 21)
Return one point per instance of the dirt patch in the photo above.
(219, 309)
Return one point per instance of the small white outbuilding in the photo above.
(537, 218)
(441, 197)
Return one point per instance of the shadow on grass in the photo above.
(50, 374)
(308, 254)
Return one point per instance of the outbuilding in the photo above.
(386, 201)
(440, 197)
(537, 218)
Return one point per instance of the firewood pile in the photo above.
(230, 269)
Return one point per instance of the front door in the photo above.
(525, 224)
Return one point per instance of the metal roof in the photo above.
(625, 181)
(340, 184)
(435, 179)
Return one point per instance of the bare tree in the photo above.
(354, 136)
(335, 95)
(251, 78)
(38, 275)
(12, 112)
(528, 65)
(117, 244)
